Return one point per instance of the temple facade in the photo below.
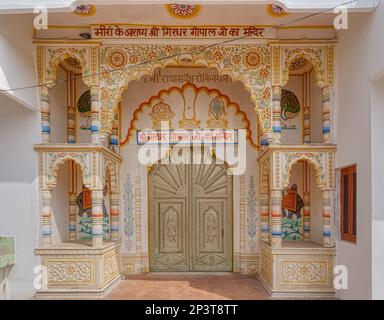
(182, 142)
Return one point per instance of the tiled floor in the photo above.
(154, 286)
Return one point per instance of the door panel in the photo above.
(211, 218)
(169, 217)
(190, 218)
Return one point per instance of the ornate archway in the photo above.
(249, 64)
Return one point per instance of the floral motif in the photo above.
(117, 58)
(253, 59)
(298, 63)
(183, 10)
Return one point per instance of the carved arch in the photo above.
(56, 163)
(313, 55)
(234, 61)
(315, 160)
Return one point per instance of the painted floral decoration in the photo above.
(117, 58)
(183, 10)
(253, 59)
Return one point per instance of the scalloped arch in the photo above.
(319, 170)
(55, 166)
(316, 63)
(230, 104)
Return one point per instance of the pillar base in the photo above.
(78, 270)
(297, 270)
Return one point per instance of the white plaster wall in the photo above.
(17, 63)
(359, 56)
(19, 210)
(377, 189)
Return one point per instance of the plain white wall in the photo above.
(377, 189)
(17, 63)
(19, 210)
(359, 54)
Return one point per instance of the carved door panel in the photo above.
(169, 216)
(211, 218)
(190, 218)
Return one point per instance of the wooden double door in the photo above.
(190, 217)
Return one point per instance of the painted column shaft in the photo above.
(97, 217)
(307, 216)
(95, 118)
(264, 213)
(115, 217)
(46, 217)
(327, 218)
(45, 98)
(326, 101)
(276, 109)
(72, 216)
(276, 218)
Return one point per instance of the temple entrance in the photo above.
(190, 217)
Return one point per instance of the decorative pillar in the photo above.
(46, 217)
(45, 98)
(95, 118)
(276, 217)
(276, 108)
(72, 216)
(115, 217)
(307, 216)
(266, 140)
(327, 218)
(307, 108)
(326, 101)
(264, 214)
(97, 217)
(114, 137)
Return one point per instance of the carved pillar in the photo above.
(276, 217)
(326, 101)
(72, 216)
(115, 217)
(327, 218)
(45, 98)
(264, 214)
(114, 137)
(95, 114)
(97, 217)
(307, 216)
(276, 108)
(266, 140)
(46, 217)
(307, 108)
